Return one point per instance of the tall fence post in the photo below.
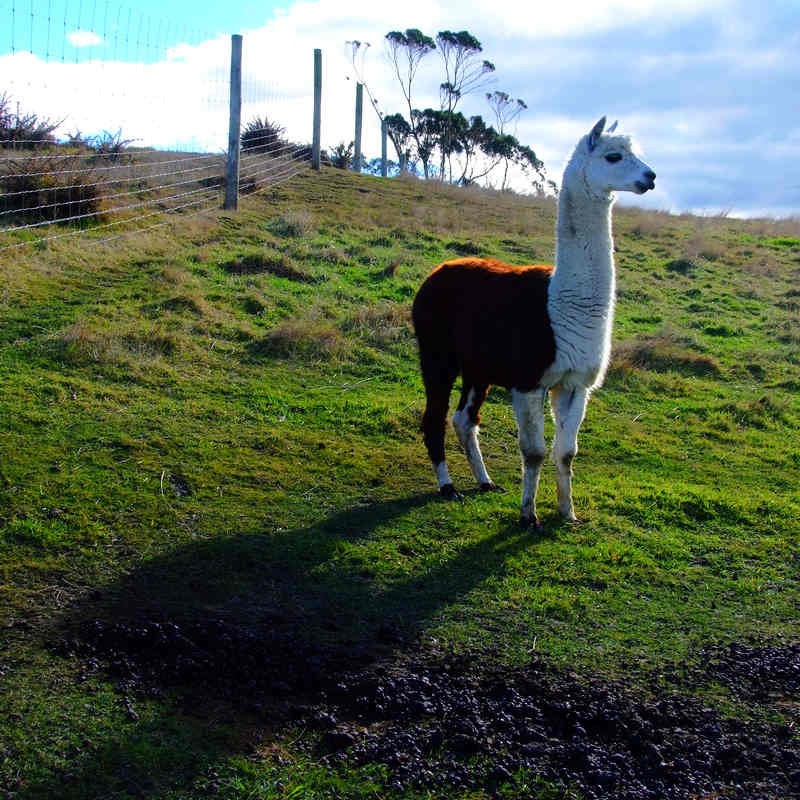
(234, 126)
(359, 116)
(384, 137)
(315, 144)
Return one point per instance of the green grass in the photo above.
(223, 418)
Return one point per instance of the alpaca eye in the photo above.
(612, 158)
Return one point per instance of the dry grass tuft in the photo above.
(381, 324)
(293, 224)
(474, 212)
(176, 276)
(665, 351)
(330, 253)
(788, 226)
(80, 343)
(786, 330)
(643, 223)
(311, 338)
(764, 265)
(391, 268)
(702, 244)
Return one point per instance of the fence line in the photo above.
(52, 189)
(105, 226)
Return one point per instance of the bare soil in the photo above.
(447, 721)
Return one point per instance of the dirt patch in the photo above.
(464, 722)
(754, 674)
(450, 724)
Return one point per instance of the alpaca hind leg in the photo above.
(438, 385)
(529, 410)
(465, 422)
(569, 407)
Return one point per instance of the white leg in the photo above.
(568, 406)
(467, 432)
(442, 474)
(529, 410)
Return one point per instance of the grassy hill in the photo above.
(219, 421)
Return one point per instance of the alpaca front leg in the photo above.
(529, 410)
(569, 407)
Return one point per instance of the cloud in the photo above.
(84, 39)
(707, 95)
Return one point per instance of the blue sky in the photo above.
(709, 88)
(136, 31)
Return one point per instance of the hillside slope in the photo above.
(219, 420)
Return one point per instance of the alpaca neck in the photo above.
(582, 288)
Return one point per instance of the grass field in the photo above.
(219, 420)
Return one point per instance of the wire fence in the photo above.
(158, 97)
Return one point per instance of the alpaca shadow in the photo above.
(260, 624)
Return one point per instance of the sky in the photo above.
(709, 89)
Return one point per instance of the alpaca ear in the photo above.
(613, 127)
(596, 132)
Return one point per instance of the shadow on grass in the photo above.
(259, 625)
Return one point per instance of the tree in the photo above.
(468, 145)
(465, 72)
(508, 148)
(397, 129)
(406, 51)
(506, 110)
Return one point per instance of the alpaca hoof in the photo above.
(491, 487)
(533, 524)
(448, 491)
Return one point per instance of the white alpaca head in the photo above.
(607, 163)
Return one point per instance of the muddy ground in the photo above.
(441, 721)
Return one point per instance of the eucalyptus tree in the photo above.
(465, 72)
(506, 110)
(406, 51)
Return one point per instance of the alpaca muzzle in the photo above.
(648, 183)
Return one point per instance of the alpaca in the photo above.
(531, 329)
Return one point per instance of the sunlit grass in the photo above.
(202, 409)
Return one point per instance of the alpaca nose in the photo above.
(650, 176)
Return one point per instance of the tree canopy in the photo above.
(444, 142)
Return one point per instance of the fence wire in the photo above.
(56, 184)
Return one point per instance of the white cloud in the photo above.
(571, 18)
(84, 39)
(706, 98)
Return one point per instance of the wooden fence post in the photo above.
(359, 117)
(315, 144)
(234, 126)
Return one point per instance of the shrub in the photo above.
(108, 144)
(341, 156)
(49, 189)
(263, 136)
(24, 131)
